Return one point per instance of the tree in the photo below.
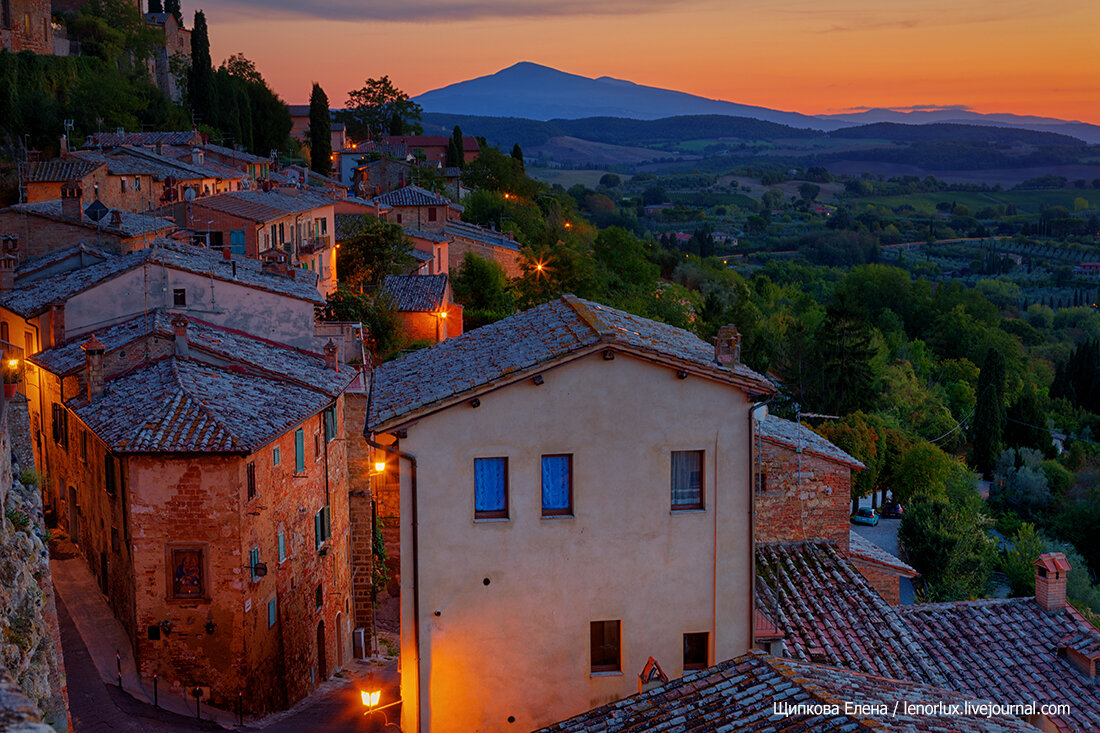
(379, 108)
(173, 7)
(610, 180)
(156, 6)
(517, 154)
(1018, 561)
(809, 191)
(369, 250)
(320, 131)
(456, 152)
(989, 412)
(481, 286)
(200, 81)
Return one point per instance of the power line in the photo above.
(1049, 430)
(957, 426)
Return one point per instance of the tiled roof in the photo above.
(113, 139)
(1006, 650)
(61, 169)
(262, 356)
(261, 206)
(863, 549)
(313, 178)
(795, 436)
(84, 252)
(416, 293)
(501, 352)
(428, 236)
(469, 143)
(131, 225)
(420, 255)
(29, 299)
(743, 694)
(179, 406)
(235, 154)
(131, 160)
(465, 230)
(829, 613)
(411, 196)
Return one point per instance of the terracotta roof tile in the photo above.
(61, 169)
(411, 196)
(464, 230)
(504, 350)
(130, 224)
(1007, 650)
(416, 293)
(795, 436)
(742, 695)
(862, 548)
(830, 613)
(177, 405)
(261, 206)
(112, 139)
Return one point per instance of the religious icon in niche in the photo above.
(187, 580)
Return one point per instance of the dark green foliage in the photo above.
(375, 313)
(200, 81)
(1025, 424)
(809, 191)
(456, 152)
(249, 113)
(1078, 378)
(481, 286)
(369, 250)
(517, 154)
(492, 170)
(173, 7)
(945, 539)
(114, 30)
(156, 6)
(320, 131)
(1018, 560)
(378, 109)
(989, 413)
(845, 377)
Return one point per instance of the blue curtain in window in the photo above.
(489, 484)
(555, 482)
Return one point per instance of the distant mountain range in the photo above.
(534, 92)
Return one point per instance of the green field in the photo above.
(566, 177)
(1026, 202)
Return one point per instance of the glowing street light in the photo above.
(370, 699)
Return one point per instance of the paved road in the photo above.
(97, 707)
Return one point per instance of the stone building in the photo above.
(425, 306)
(575, 496)
(25, 26)
(45, 227)
(172, 55)
(202, 472)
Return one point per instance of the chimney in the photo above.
(7, 272)
(116, 220)
(179, 328)
(93, 361)
(196, 156)
(57, 323)
(227, 254)
(727, 346)
(1050, 581)
(330, 356)
(72, 194)
(160, 147)
(63, 148)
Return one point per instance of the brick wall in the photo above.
(885, 582)
(802, 501)
(37, 35)
(39, 235)
(508, 259)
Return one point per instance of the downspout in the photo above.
(399, 454)
(754, 457)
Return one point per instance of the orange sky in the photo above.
(1019, 56)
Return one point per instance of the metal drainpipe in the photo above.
(399, 454)
(753, 458)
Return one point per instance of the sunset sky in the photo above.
(1019, 56)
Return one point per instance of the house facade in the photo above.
(561, 520)
(217, 528)
(44, 227)
(25, 26)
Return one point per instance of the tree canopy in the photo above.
(379, 108)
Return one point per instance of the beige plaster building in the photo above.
(575, 488)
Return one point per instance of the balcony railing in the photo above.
(312, 245)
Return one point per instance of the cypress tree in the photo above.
(456, 154)
(989, 413)
(517, 153)
(173, 7)
(200, 81)
(320, 131)
(155, 6)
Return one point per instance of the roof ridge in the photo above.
(585, 312)
(201, 404)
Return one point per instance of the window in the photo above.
(398, 218)
(275, 457)
(112, 474)
(605, 646)
(324, 227)
(687, 479)
(179, 297)
(490, 488)
(271, 613)
(250, 479)
(187, 574)
(84, 446)
(762, 484)
(282, 233)
(318, 597)
(322, 526)
(431, 213)
(122, 185)
(282, 545)
(4, 335)
(299, 451)
(557, 485)
(60, 425)
(137, 183)
(317, 446)
(116, 544)
(330, 423)
(253, 561)
(695, 650)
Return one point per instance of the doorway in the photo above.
(322, 664)
(74, 514)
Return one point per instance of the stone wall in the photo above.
(30, 649)
(803, 499)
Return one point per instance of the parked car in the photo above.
(892, 511)
(865, 515)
